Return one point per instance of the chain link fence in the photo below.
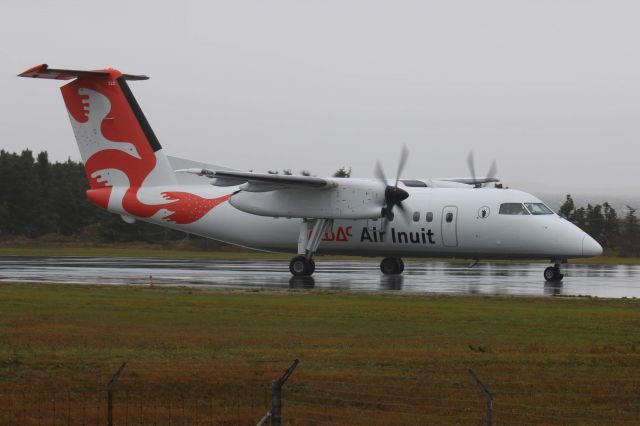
(310, 398)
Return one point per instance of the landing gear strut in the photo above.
(392, 266)
(553, 273)
(303, 264)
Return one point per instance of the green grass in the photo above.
(566, 357)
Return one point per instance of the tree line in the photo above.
(602, 222)
(38, 197)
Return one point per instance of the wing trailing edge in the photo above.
(258, 182)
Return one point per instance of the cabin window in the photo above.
(513, 209)
(538, 208)
(449, 217)
(429, 216)
(416, 216)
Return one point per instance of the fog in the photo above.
(550, 89)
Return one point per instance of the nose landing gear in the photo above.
(553, 273)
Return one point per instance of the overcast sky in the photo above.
(550, 89)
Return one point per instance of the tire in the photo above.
(553, 274)
(391, 266)
(300, 266)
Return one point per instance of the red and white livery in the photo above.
(130, 175)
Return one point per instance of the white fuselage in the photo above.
(130, 174)
(449, 222)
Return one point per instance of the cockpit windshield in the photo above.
(513, 208)
(538, 208)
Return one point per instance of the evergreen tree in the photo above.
(611, 226)
(342, 172)
(630, 242)
(595, 222)
(578, 217)
(567, 208)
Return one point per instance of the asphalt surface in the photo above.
(613, 281)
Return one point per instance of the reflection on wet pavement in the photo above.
(435, 277)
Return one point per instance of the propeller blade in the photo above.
(404, 211)
(472, 166)
(404, 155)
(493, 170)
(393, 196)
(379, 173)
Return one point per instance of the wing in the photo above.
(258, 182)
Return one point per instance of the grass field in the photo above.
(201, 357)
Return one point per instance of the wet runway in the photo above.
(435, 277)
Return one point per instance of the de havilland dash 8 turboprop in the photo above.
(130, 175)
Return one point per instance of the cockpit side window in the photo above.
(538, 208)
(513, 209)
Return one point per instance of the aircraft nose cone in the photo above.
(590, 247)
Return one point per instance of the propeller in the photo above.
(393, 196)
(493, 170)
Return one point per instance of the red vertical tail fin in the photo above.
(127, 169)
(116, 142)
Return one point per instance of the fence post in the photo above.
(110, 387)
(487, 395)
(276, 395)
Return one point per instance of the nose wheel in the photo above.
(553, 273)
(392, 266)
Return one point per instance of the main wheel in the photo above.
(553, 274)
(300, 266)
(392, 266)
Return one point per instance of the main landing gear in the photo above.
(553, 273)
(392, 266)
(308, 242)
(300, 266)
(303, 265)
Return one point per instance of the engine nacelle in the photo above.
(349, 199)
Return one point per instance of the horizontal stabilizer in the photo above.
(43, 71)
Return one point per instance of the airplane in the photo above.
(129, 174)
